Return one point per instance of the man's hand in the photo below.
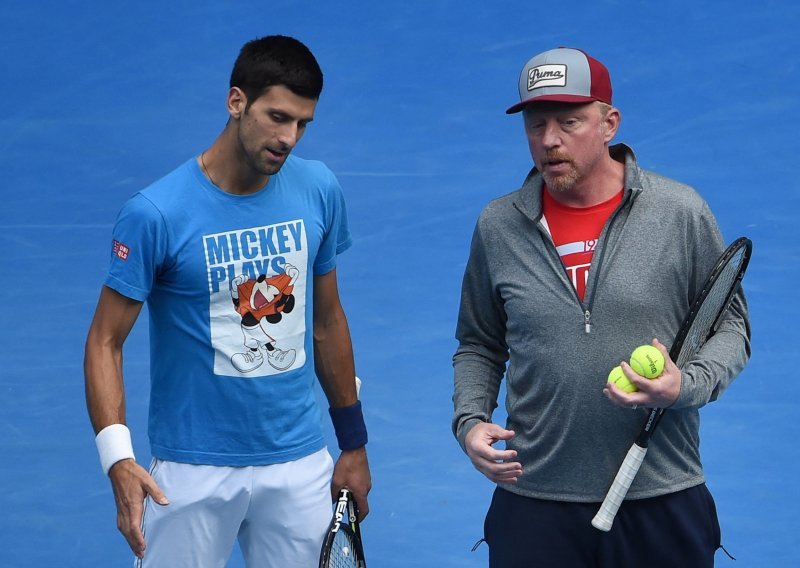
(660, 392)
(352, 471)
(131, 484)
(494, 464)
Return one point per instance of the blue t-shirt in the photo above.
(228, 281)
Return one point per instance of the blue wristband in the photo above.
(348, 423)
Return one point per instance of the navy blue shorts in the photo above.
(676, 530)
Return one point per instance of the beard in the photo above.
(254, 153)
(264, 166)
(561, 182)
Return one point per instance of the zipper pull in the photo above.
(587, 321)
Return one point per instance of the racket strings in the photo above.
(343, 552)
(710, 310)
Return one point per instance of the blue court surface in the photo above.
(101, 98)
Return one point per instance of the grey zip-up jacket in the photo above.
(521, 317)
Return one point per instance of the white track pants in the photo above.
(279, 514)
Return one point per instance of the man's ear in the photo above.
(612, 121)
(237, 102)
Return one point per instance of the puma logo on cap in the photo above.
(552, 75)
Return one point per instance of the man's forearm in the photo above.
(105, 395)
(334, 365)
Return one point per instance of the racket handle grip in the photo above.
(619, 489)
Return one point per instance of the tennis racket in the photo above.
(700, 323)
(342, 546)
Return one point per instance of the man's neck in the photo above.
(225, 165)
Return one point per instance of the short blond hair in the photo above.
(605, 108)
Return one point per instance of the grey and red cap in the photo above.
(565, 75)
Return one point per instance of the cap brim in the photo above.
(574, 99)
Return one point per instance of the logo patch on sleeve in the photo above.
(121, 250)
(550, 75)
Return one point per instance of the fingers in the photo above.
(487, 433)
(359, 493)
(669, 364)
(130, 507)
(352, 471)
(660, 392)
(360, 490)
(495, 432)
(154, 491)
(363, 503)
(131, 530)
(497, 465)
(482, 449)
(499, 472)
(131, 484)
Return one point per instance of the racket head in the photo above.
(342, 546)
(711, 303)
(705, 315)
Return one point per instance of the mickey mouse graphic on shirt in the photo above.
(262, 302)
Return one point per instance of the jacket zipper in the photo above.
(587, 314)
(587, 309)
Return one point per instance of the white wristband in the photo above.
(113, 445)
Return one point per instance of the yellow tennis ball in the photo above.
(647, 361)
(619, 378)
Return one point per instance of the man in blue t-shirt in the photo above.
(235, 254)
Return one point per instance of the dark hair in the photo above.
(276, 60)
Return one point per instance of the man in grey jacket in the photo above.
(592, 257)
